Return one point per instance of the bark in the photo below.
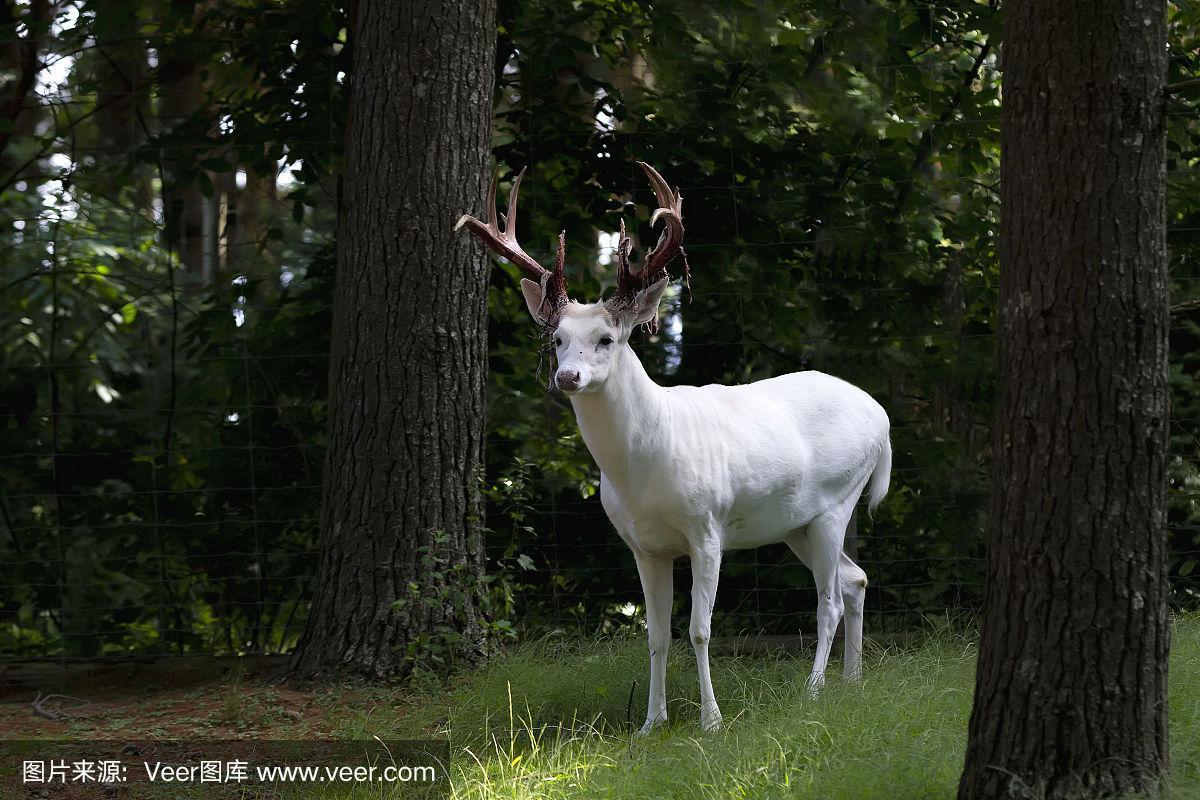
(190, 228)
(122, 103)
(401, 549)
(20, 111)
(244, 220)
(23, 54)
(1070, 699)
(119, 70)
(187, 229)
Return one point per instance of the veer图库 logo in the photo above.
(158, 768)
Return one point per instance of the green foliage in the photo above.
(162, 409)
(163, 432)
(819, 236)
(839, 163)
(439, 595)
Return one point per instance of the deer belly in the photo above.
(765, 520)
(657, 540)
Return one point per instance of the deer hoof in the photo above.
(650, 724)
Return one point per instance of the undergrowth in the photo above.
(553, 719)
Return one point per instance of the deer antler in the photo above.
(670, 244)
(504, 243)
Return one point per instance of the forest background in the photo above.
(168, 198)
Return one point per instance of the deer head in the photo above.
(586, 336)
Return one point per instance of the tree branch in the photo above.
(1181, 87)
(50, 141)
(925, 147)
(818, 55)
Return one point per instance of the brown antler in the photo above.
(654, 265)
(504, 243)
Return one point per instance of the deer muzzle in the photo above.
(568, 380)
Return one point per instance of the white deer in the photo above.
(695, 471)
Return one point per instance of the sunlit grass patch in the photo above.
(553, 719)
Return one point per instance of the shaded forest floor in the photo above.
(552, 719)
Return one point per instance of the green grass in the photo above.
(550, 720)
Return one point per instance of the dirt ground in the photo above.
(178, 711)
(202, 698)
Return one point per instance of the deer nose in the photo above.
(567, 380)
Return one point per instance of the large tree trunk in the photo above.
(401, 548)
(1070, 699)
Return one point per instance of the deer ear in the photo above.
(533, 301)
(645, 303)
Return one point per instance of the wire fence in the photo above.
(162, 426)
(112, 552)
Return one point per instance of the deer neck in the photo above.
(624, 424)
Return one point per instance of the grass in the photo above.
(551, 720)
(902, 728)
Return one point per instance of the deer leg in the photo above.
(656, 587)
(826, 534)
(854, 595)
(854, 592)
(706, 567)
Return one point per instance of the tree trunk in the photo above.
(190, 229)
(20, 111)
(401, 548)
(1070, 699)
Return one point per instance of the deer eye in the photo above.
(558, 341)
(605, 340)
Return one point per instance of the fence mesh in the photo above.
(162, 419)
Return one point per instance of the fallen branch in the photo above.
(40, 710)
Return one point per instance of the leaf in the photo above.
(99, 248)
(900, 131)
(793, 37)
